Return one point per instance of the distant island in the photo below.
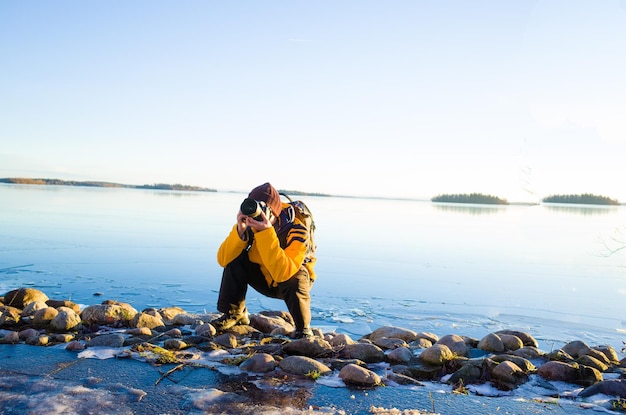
(583, 199)
(474, 198)
(57, 182)
(300, 193)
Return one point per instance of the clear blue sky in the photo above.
(520, 99)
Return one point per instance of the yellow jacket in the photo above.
(280, 257)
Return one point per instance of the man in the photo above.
(267, 251)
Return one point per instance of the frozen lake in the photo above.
(447, 269)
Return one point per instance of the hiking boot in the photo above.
(228, 320)
(303, 334)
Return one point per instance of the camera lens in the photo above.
(250, 207)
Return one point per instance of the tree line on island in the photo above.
(471, 198)
(482, 199)
(156, 186)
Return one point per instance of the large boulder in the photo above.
(393, 333)
(570, 372)
(23, 296)
(108, 313)
(44, 316)
(9, 316)
(147, 320)
(507, 376)
(311, 347)
(259, 363)
(65, 320)
(455, 343)
(366, 352)
(491, 343)
(360, 376)
(436, 355)
(611, 387)
(526, 338)
(302, 365)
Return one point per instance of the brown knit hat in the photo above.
(269, 195)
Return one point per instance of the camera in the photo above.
(253, 209)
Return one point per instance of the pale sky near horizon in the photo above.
(406, 98)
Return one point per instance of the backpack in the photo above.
(304, 215)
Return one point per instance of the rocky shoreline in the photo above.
(388, 356)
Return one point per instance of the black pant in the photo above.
(241, 272)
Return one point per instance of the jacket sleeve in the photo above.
(280, 263)
(231, 248)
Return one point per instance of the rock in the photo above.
(227, 340)
(183, 319)
(148, 320)
(367, 352)
(280, 314)
(387, 343)
(11, 337)
(175, 333)
(400, 355)
(244, 331)
(596, 354)
(338, 364)
(340, 340)
(455, 343)
(470, 372)
(436, 355)
(528, 352)
(526, 338)
(75, 346)
(311, 347)
(65, 320)
(267, 324)
(174, 344)
(593, 362)
(421, 344)
(560, 356)
(356, 375)
(491, 343)
(431, 337)
(140, 331)
(403, 380)
(32, 307)
(206, 330)
(554, 370)
(576, 348)
(41, 340)
(609, 352)
(64, 303)
(259, 363)
(393, 333)
(524, 364)
(302, 365)
(611, 387)
(421, 372)
(62, 337)
(9, 316)
(107, 340)
(169, 313)
(511, 342)
(23, 296)
(43, 317)
(28, 333)
(108, 313)
(507, 376)
(470, 342)
(568, 372)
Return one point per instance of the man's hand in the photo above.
(242, 226)
(256, 225)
